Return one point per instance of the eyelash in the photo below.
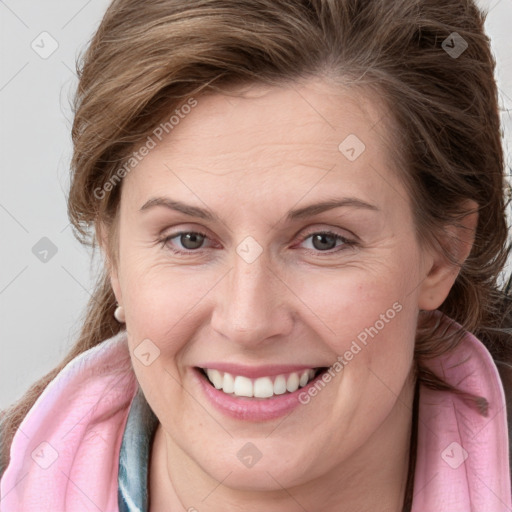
(346, 243)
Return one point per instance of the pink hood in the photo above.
(65, 455)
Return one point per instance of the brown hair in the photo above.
(147, 58)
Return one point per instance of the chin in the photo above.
(267, 474)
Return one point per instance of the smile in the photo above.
(259, 394)
(262, 387)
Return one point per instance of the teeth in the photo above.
(263, 387)
(229, 383)
(304, 379)
(292, 384)
(280, 385)
(243, 386)
(215, 378)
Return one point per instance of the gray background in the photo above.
(42, 302)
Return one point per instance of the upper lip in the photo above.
(253, 372)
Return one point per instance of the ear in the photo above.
(458, 240)
(102, 238)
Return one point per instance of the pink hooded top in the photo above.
(66, 454)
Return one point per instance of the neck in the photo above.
(375, 477)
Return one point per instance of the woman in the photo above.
(301, 209)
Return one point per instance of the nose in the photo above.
(251, 305)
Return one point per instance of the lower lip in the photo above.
(252, 409)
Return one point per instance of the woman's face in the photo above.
(262, 295)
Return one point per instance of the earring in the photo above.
(119, 314)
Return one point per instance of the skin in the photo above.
(250, 159)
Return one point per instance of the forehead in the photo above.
(259, 140)
(315, 114)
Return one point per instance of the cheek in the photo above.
(356, 303)
(368, 318)
(159, 305)
(160, 300)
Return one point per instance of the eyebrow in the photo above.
(299, 213)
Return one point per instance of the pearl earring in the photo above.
(119, 314)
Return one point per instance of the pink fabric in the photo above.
(82, 414)
(445, 479)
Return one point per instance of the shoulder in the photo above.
(505, 370)
(502, 355)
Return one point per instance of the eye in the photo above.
(323, 241)
(189, 240)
